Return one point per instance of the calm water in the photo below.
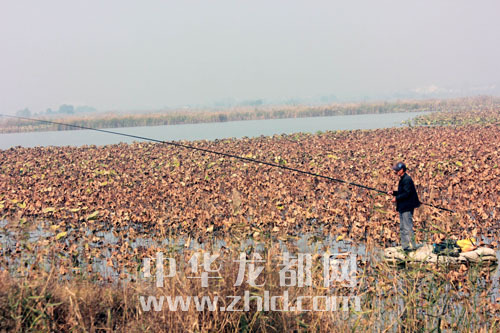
(210, 131)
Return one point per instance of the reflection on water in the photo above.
(11, 239)
(15, 239)
(18, 247)
(208, 131)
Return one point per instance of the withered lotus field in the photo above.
(484, 114)
(144, 192)
(169, 190)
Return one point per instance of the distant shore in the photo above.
(195, 116)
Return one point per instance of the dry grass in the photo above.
(398, 300)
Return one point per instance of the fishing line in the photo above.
(242, 158)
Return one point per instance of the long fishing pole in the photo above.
(247, 159)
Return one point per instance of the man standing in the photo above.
(406, 199)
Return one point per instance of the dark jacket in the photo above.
(406, 195)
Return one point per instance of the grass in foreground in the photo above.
(421, 298)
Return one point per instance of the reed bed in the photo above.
(193, 116)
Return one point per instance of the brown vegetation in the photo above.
(159, 191)
(171, 190)
(420, 298)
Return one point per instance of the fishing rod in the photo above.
(242, 158)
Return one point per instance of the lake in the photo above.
(208, 131)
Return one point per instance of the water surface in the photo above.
(208, 131)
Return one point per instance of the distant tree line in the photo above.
(64, 109)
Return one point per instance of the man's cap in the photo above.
(398, 166)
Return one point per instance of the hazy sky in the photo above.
(131, 54)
